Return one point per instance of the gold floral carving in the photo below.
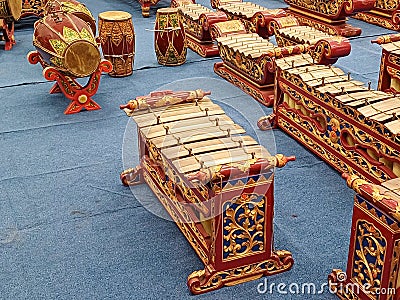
(370, 250)
(243, 223)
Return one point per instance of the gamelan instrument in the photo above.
(10, 11)
(214, 181)
(66, 49)
(169, 37)
(197, 20)
(329, 15)
(344, 122)
(33, 8)
(73, 7)
(248, 61)
(389, 74)
(117, 40)
(255, 18)
(373, 260)
(385, 13)
(324, 47)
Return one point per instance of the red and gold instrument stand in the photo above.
(331, 19)
(373, 261)
(227, 219)
(381, 16)
(198, 35)
(7, 30)
(79, 95)
(389, 72)
(263, 94)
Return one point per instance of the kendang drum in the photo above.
(73, 7)
(117, 38)
(67, 43)
(169, 37)
(10, 10)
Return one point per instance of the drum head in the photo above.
(82, 58)
(16, 8)
(115, 15)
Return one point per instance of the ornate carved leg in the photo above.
(209, 279)
(132, 176)
(267, 122)
(55, 89)
(339, 285)
(79, 95)
(8, 35)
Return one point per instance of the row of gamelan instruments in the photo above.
(216, 182)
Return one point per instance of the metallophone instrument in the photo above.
(255, 18)
(373, 260)
(329, 15)
(353, 128)
(214, 181)
(389, 71)
(198, 20)
(323, 47)
(10, 11)
(385, 13)
(66, 49)
(248, 62)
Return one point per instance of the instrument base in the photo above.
(334, 28)
(216, 273)
(7, 29)
(377, 19)
(264, 95)
(209, 279)
(202, 49)
(79, 95)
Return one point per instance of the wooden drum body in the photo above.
(66, 42)
(73, 7)
(117, 38)
(169, 37)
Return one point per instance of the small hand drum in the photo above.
(169, 37)
(117, 39)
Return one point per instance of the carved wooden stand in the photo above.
(78, 94)
(385, 14)
(389, 71)
(330, 18)
(263, 94)
(373, 261)
(8, 34)
(227, 218)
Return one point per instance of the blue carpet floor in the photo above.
(70, 230)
